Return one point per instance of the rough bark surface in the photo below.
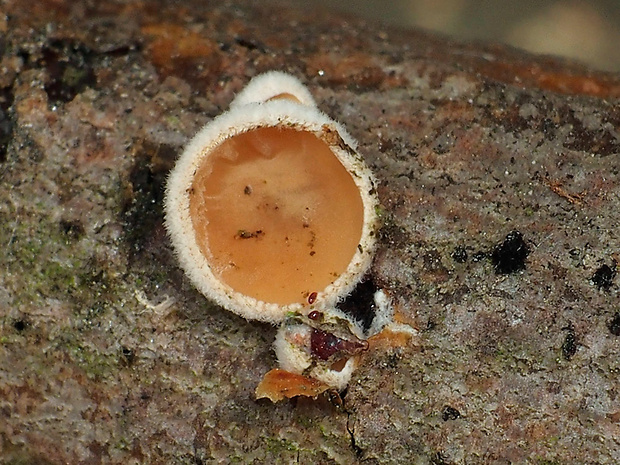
(500, 195)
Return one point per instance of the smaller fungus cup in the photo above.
(270, 209)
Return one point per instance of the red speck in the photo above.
(315, 315)
(312, 298)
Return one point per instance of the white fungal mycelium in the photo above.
(271, 212)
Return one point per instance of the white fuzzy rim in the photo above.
(269, 85)
(238, 120)
(336, 379)
(292, 357)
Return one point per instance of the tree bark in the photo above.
(500, 202)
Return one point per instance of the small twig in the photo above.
(557, 187)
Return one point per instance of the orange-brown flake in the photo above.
(279, 384)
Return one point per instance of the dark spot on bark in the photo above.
(128, 356)
(459, 254)
(603, 277)
(6, 123)
(575, 254)
(393, 359)
(569, 346)
(439, 459)
(360, 304)
(614, 325)
(509, 256)
(144, 194)
(359, 452)
(20, 325)
(449, 413)
(479, 256)
(69, 67)
(549, 128)
(72, 229)
(250, 44)
(385, 145)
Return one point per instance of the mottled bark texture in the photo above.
(500, 196)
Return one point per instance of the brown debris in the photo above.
(558, 187)
(279, 384)
(388, 338)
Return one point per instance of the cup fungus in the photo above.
(271, 212)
